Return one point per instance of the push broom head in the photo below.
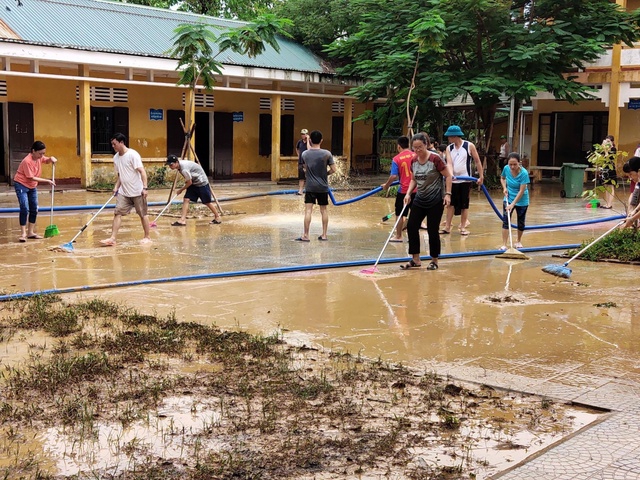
(370, 271)
(51, 231)
(64, 248)
(561, 271)
(513, 254)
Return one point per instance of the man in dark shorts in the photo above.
(196, 183)
(301, 146)
(401, 170)
(460, 153)
(318, 164)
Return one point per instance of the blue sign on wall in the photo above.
(238, 116)
(634, 104)
(156, 114)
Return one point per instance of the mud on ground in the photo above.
(106, 392)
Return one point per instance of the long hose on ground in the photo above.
(340, 203)
(264, 271)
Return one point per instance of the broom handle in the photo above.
(92, 218)
(165, 207)
(594, 242)
(395, 225)
(635, 210)
(506, 199)
(53, 179)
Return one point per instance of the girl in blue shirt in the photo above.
(515, 181)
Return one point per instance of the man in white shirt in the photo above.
(130, 188)
(459, 155)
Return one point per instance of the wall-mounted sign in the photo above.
(156, 114)
(238, 116)
(634, 104)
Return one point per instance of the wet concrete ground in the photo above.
(548, 339)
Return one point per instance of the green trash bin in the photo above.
(572, 178)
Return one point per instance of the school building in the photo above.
(74, 72)
(557, 132)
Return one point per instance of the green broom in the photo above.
(52, 230)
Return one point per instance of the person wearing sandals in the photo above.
(26, 181)
(460, 153)
(196, 183)
(515, 181)
(318, 164)
(400, 169)
(433, 195)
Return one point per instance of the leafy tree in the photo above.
(198, 65)
(238, 9)
(317, 24)
(480, 48)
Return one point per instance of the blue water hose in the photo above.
(547, 225)
(340, 203)
(265, 271)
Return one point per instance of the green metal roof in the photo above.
(106, 26)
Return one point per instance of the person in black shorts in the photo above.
(318, 164)
(196, 184)
(301, 146)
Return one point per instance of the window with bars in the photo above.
(204, 100)
(106, 94)
(105, 121)
(286, 104)
(287, 137)
(338, 107)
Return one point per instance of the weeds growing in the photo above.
(259, 408)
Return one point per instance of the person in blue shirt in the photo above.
(515, 187)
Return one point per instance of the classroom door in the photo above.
(222, 146)
(20, 120)
(202, 141)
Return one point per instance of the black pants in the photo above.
(434, 217)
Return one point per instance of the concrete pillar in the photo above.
(190, 118)
(85, 129)
(276, 116)
(348, 129)
(614, 91)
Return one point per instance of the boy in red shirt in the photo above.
(401, 169)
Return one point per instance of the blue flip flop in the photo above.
(300, 239)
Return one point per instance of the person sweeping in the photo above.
(196, 184)
(515, 181)
(26, 179)
(433, 177)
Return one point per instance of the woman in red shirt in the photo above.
(26, 182)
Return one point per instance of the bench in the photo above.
(535, 171)
(367, 163)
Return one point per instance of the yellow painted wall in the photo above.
(362, 132)
(54, 103)
(629, 131)
(54, 118)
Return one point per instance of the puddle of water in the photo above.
(492, 447)
(170, 432)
